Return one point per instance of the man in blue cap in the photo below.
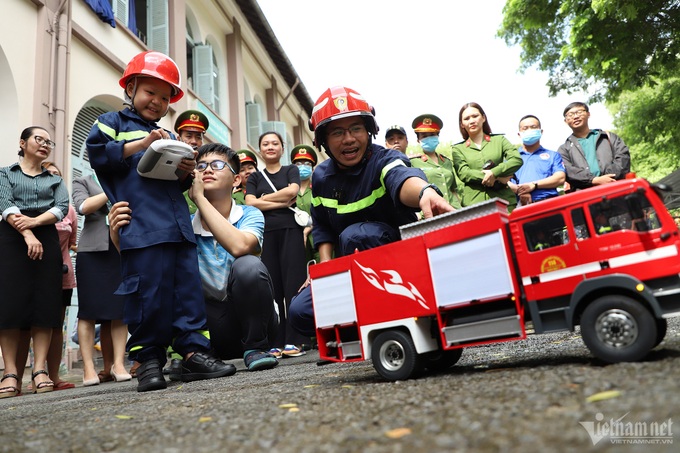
(395, 138)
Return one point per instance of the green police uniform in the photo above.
(441, 174)
(304, 200)
(244, 156)
(194, 121)
(239, 196)
(468, 161)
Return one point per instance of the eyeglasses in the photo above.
(356, 131)
(44, 142)
(575, 113)
(304, 164)
(216, 165)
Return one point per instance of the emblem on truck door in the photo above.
(394, 285)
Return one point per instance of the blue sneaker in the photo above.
(293, 351)
(259, 360)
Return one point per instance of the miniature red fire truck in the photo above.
(606, 258)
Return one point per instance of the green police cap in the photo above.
(192, 119)
(303, 152)
(247, 156)
(427, 123)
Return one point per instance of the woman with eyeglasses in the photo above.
(485, 162)
(32, 200)
(283, 251)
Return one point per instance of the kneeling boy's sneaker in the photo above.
(201, 366)
(292, 351)
(276, 352)
(150, 376)
(259, 360)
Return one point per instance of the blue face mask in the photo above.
(531, 136)
(305, 171)
(430, 143)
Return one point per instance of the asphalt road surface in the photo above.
(543, 394)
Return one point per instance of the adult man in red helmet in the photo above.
(363, 193)
(161, 281)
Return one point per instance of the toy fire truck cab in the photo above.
(605, 258)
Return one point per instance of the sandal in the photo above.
(41, 387)
(104, 376)
(133, 370)
(64, 385)
(9, 390)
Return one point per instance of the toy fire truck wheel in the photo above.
(441, 360)
(394, 356)
(618, 329)
(661, 329)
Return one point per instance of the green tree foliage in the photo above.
(600, 46)
(647, 119)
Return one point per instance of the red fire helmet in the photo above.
(154, 64)
(336, 103)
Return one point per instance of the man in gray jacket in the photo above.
(591, 156)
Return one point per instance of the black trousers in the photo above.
(247, 319)
(284, 255)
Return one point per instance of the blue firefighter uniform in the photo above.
(357, 208)
(368, 192)
(159, 264)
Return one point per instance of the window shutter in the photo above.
(157, 26)
(80, 161)
(216, 85)
(121, 10)
(253, 124)
(203, 73)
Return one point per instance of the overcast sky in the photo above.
(412, 57)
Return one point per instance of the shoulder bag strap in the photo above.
(274, 189)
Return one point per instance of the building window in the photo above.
(147, 19)
(191, 43)
(206, 76)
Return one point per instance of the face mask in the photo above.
(531, 136)
(430, 143)
(305, 171)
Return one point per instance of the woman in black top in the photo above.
(32, 200)
(283, 250)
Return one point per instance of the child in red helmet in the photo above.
(161, 280)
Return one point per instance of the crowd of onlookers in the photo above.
(228, 278)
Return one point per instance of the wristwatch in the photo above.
(429, 186)
(535, 185)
